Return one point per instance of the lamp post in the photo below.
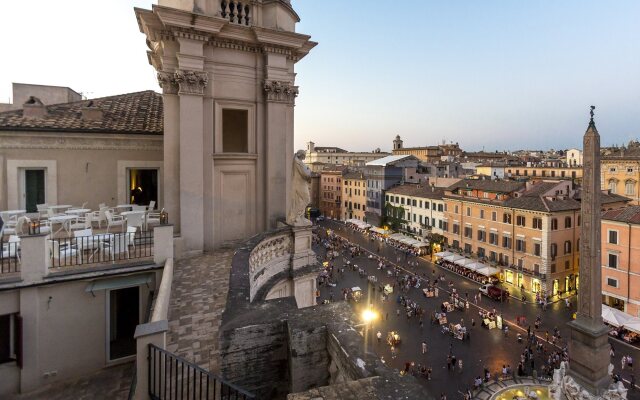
(164, 217)
(34, 227)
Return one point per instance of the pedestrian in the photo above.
(623, 361)
(393, 352)
(453, 362)
(632, 382)
(379, 336)
(429, 371)
(449, 362)
(473, 322)
(424, 347)
(630, 362)
(535, 375)
(443, 396)
(398, 312)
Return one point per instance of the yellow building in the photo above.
(621, 173)
(544, 172)
(354, 197)
(528, 230)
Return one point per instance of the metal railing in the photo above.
(101, 248)
(9, 257)
(173, 377)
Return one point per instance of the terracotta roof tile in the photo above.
(137, 113)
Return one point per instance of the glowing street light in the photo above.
(369, 316)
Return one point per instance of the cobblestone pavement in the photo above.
(198, 298)
(109, 383)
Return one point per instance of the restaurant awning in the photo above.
(487, 270)
(463, 262)
(453, 257)
(378, 230)
(615, 317)
(119, 282)
(632, 324)
(443, 254)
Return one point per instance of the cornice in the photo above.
(73, 141)
(178, 18)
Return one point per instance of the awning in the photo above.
(487, 271)
(463, 262)
(632, 324)
(453, 258)
(443, 254)
(615, 317)
(378, 230)
(119, 282)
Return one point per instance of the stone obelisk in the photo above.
(588, 344)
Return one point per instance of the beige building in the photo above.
(423, 206)
(46, 93)
(91, 151)
(573, 157)
(620, 172)
(529, 230)
(327, 156)
(426, 153)
(354, 197)
(331, 192)
(228, 84)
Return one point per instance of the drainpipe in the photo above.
(574, 247)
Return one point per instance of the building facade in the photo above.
(620, 255)
(544, 172)
(573, 157)
(381, 175)
(331, 193)
(529, 230)
(423, 207)
(228, 85)
(354, 197)
(337, 156)
(620, 173)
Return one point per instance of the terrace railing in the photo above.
(173, 377)
(9, 257)
(101, 249)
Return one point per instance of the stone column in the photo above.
(171, 183)
(191, 80)
(588, 345)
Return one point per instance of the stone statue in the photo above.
(300, 196)
(591, 112)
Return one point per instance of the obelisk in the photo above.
(588, 344)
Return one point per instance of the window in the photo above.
(567, 247)
(455, 209)
(421, 204)
(468, 232)
(468, 211)
(567, 264)
(521, 245)
(520, 220)
(567, 222)
(445, 226)
(613, 260)
(553, 250)
(612, 169)
(492, 255)
(630, 187)
(402, 200)
(506, 242)
(8, 337)
(482, 236)
(235, 131)
(456, 229)
(629, 170)
(612, 185)
(440, 207)
(481, 214)
(481, 252)
(613, 237)
(537, 223)
(493, 238)
(494, 215)
(467, 248)
(554, 224)
(506, 218)
(612, 282)
(553, 268)
(537, 249)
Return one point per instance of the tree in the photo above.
(393, 216)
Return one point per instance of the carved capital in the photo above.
(167, 82)
(191, 82)
(280, 91)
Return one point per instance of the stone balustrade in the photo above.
(270, 257)
(236, 12)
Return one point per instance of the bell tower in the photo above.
(227, 73)
(397, 143)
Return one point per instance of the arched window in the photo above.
(567, 247)
(567, 222)
(630, 187)
(612, 185)
(554, 224)
(554, 250)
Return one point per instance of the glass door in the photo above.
(33, 189)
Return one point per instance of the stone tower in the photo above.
(226, 69)
(588, 345)
(397, 143)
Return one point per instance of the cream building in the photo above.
(316, 155)
(354, 197)
(423, 206)
(573, 157)
(228, 84)
(620, 172)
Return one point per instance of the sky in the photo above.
(489, 74)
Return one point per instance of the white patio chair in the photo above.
(51, 213)
(45, 227)
(11, 249)
(131, 232)
(15, 228)
(114, 220)
(42, 210)
(86, 241)
(117, 243)
(152, 205)
(81, 222)
(99, 216)
(153, 218)
(62, 252)
(101, 205)
(135, 207)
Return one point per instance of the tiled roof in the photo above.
(488, 185)
(354, 175)
(384, 161)
(137, 113)
(630, 214)
(415, 190)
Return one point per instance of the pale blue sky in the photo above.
(492, 74)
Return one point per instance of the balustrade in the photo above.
(236, 12)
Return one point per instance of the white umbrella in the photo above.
(632, 324)
(443, 254)
(615, 317)
(453, 258)
(463, 262)
(487, 271)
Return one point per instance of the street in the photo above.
(485, 348)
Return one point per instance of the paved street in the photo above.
(486, 348)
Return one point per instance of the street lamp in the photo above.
(369, 316)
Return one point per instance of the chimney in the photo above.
(91, 112)
(34, 108)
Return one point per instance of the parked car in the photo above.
(494, 292)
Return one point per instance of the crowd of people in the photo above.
(466, 272)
